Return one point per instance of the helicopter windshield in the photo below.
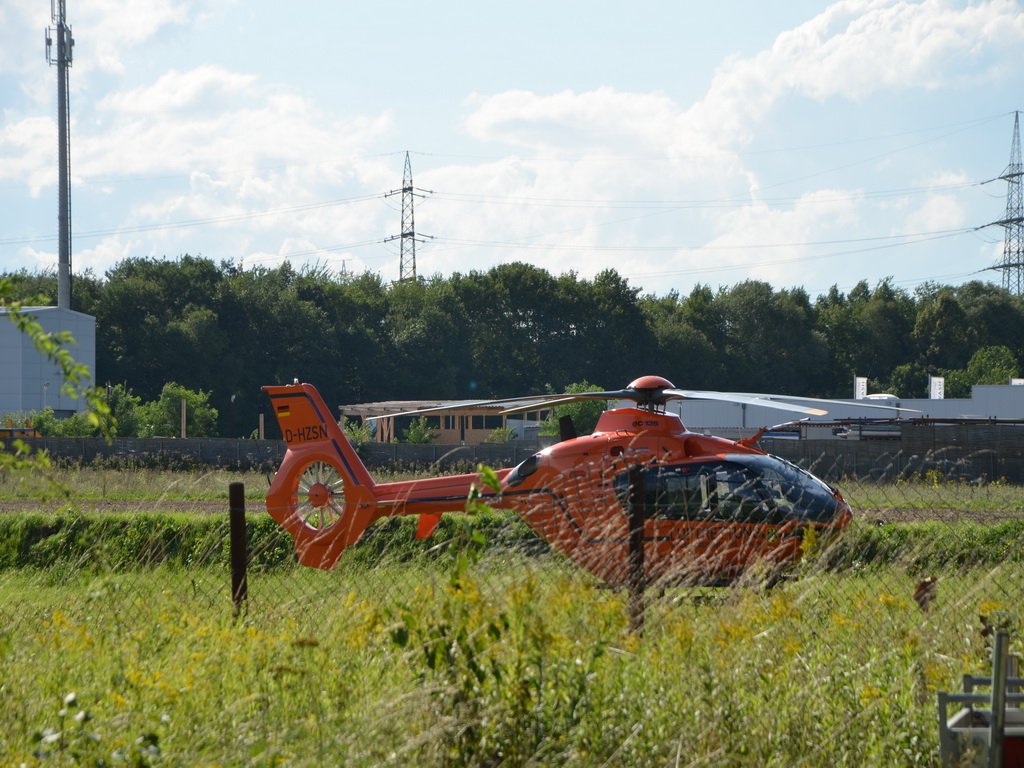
(738, 488)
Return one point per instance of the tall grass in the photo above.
(933, 493)
(87, 483)
(119, 644)
(509, 660)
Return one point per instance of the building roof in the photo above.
(48, 310)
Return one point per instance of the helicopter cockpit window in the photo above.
(742, 497)
(741, 488)
(799, 493)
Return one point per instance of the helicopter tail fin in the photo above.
(322, 494)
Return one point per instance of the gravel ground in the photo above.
(885, 515)
(123, 505)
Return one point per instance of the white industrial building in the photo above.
(29, 381)
(996, 402)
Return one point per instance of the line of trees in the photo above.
(514, 329)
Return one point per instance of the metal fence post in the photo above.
(1000, 653)
(239, 551)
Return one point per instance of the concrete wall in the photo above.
(967, 452)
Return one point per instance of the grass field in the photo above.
(80, 484)
(501, 662)
(60, 486)
(508, 660)
(418, 654)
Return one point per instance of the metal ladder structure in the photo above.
(985, 738)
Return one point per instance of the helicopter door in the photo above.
(590, 514)
(711, 518)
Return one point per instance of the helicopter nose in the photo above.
(844, 514)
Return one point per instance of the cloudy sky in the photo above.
(802, 143)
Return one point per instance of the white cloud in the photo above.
(146, 132)
(778, 244)
(114, 28)
(202, 88)
(103, 255)
(856, 48)
(28, 153)
(937, 213)
(14, 15)
(36, 260)
(567, 121)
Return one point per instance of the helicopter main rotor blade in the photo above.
(742, 399)
(519, 404)
(827, 401)
(554, 400)
(665, 395)
(646, 397)
(431, 409)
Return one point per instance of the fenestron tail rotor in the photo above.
(321, 495)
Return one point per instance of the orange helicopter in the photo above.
(712, 507)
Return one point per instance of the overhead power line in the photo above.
(903, 238)
(484, 198)
(693, 203)
(210, 220)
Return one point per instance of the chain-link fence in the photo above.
(120, 640)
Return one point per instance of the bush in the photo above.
(162, 417)
(420, 432)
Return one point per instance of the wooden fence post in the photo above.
(636, 580)
(239, 546)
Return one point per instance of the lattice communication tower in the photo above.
(61, 32)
